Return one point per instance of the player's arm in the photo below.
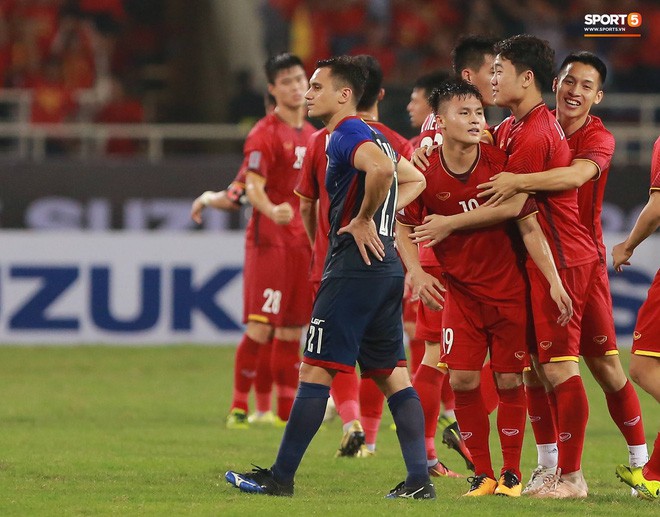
(219, 200)
(647, 223)
(540, 252)
(506, 184)
(427, 287)
(255, 187)
(379, 173)
(308, 213)
(436, 228)
(411, 183)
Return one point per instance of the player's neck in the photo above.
(370, 114)
(294, 117)
(571, 124)
(526, 104)
(344, 111)
(458, 156)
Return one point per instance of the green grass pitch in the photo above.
(97, 430)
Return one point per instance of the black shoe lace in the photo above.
(475, 481)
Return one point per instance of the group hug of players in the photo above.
(505, 263)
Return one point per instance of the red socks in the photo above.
(285, 363)
(652, 468)
(540, 415)
(572, 415)
(344, 391)
(473, 421)
(626, 413)
(371, 409)
(428, 385)
(511, 427)
(417, 349)
(245, 365)
(488, 388)
(447, 395)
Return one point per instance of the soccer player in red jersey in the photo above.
(277, 293)
(578, 87)
(534, 141)
(485, 302)
(645, 360)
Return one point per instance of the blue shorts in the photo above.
(357, 320)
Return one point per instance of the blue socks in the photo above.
(409, 419)
(305, 419)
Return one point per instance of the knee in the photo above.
(508, 381)
(464, 380)
(259, 332)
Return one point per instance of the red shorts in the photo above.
(276, 286)
(555, 343)
(597, 336)
(646, 338)
(429, 322)
(472, 328)
(409, 311)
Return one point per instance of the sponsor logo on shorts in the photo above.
(465, 436)
(510, 432)
(636, 335)
(545, 344)
(599, 340)
(520, 355)
(533, 418)
(443, 196)
(250, 374)
(563, 437)
(632, 422)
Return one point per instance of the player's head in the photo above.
(579, 83)
(337, 85)
(287, 80)
(459, 111)
(472, 60)
(419, 108)
(524, 65)
(373, 90)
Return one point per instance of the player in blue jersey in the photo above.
(357, 312)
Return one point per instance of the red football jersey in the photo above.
(655, 166)
(311, 185)
(537, 143)
(483, 261)
(275, 150)
(594, 143)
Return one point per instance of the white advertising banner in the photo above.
(171, 287)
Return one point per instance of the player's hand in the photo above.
(432, 231)
(419, 156)
(501, 187)
(429, 289)
(408, 289)
(564, 303)
(282, 214)
(620, 256)
(366, 237)
(196, 210)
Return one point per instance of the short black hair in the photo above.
(470, 52)
(280, 62)
(587, 58)
(374, 81)
(528, 52)
(453, 88)
(432, 80)
(349, 71)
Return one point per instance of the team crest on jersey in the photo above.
(520, 355)
(636, 335)
(288, 145)
(599, 340)
(443, 196)
(545, 344)
(254, 160)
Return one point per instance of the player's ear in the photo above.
(465, 75)
(599, 97)
(440, 121)
(528, 78)
(345, 95)
(381, 94)
(554, 85)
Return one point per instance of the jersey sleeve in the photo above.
(257, 151)
(308, 185)
(529, 208)
(655, 166)
(598, 147)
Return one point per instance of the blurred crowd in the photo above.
(413, 37)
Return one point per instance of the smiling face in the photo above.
(418, 108)
(507, 84)
(577, 89)
(461, 119)
(289, 87)
(481, 78)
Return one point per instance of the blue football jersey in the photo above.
(345, 186)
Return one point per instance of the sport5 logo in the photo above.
(629, 19)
